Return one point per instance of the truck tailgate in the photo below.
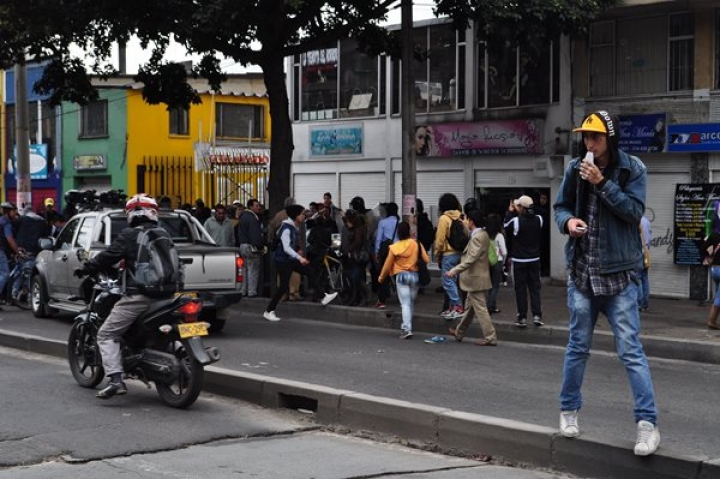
(209, 267)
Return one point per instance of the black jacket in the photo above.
(249, 230)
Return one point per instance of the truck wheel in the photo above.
(39, 298)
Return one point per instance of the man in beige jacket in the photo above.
(475, 281)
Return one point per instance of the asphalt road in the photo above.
(513, 381)
(52, 428)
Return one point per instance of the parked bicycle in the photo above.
(20, 269)
(332, 277)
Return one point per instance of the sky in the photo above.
(136, 56)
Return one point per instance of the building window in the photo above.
(179, 121)
(625, 57)
(509, 76)
(234, 120)
(359, 83)
(319, 84)
(681, 47)
(94, 120)
(441, 76)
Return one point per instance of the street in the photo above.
(52, 428)
(513, 381)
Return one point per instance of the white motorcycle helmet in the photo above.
(141, 207)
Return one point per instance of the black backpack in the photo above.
(158, 271)
(458, 237)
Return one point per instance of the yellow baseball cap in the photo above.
(593, 123)
(49, 202)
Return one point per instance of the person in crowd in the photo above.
(49, 210)
(475, 281)
(401, 263)
(220, 228)
(165, 202)
(642, 272)
(30, 228)
(542, 208)
(525, 227)
(386, 232)
(335, 213)
(494, 228)
(8, 246)
(56, 224)
(425, 230)
(448, 257)
(293, 293)
(357, 254)
(249, 238)
(288, 259)
(712, 249)
(599, 206)
(201, 212)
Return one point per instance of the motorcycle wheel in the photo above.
(186, 389)
(84, 356)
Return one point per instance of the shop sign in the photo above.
(697, 215)
(643, 133)
(698, 137)
(336, 141)
(501, 137)
(38, 162)
(89, 162)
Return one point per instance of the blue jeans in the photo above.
(643, 297)
(622, 313)
(451, 284)
(406, 284)
(25, 265)
(715, 271)
(4, 271)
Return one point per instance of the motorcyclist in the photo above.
(142, 212)
(30, 228)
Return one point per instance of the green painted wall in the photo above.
(113, 147)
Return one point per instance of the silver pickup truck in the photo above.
(214, 272)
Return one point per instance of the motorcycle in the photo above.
(164, 345)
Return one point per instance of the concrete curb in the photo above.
(450, 431)
(655, 346)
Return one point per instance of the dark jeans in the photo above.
(284, 271)
(527, 280)
(496, 276)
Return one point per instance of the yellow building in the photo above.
(218, 150)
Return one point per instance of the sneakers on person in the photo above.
(271, 316)
(406, 335)
(569, 426)
(118, 388)
(448, 314)
(458, 311)
(520, 322)
(327, 299)
(537, 320)
(379, 305)
(648, 438)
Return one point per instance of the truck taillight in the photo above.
(238, 268)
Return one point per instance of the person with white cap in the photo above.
(599, 206)
(525, 230)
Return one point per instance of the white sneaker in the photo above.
(328, 298)
(270, 316)
(648, 438)
(569, 426)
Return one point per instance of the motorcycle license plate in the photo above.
(188, 330)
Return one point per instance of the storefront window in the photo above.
(319, 84)
(359, 81)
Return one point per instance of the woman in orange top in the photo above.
(402, 263)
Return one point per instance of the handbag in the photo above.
(423, 273)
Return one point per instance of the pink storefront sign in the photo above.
(502, 137)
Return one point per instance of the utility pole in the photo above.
(22, 137)
(409, 175)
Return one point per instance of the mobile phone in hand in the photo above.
(582, 229)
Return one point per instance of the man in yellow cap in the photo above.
(599, 206)
(49, 212)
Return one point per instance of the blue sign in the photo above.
(38, 162)
(336, 141)
(643, 133)
(699, 137)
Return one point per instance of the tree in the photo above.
(38, 29)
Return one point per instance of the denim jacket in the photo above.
(619, 212)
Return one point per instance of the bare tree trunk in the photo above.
(281, 145)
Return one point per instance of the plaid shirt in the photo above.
(586, 271)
